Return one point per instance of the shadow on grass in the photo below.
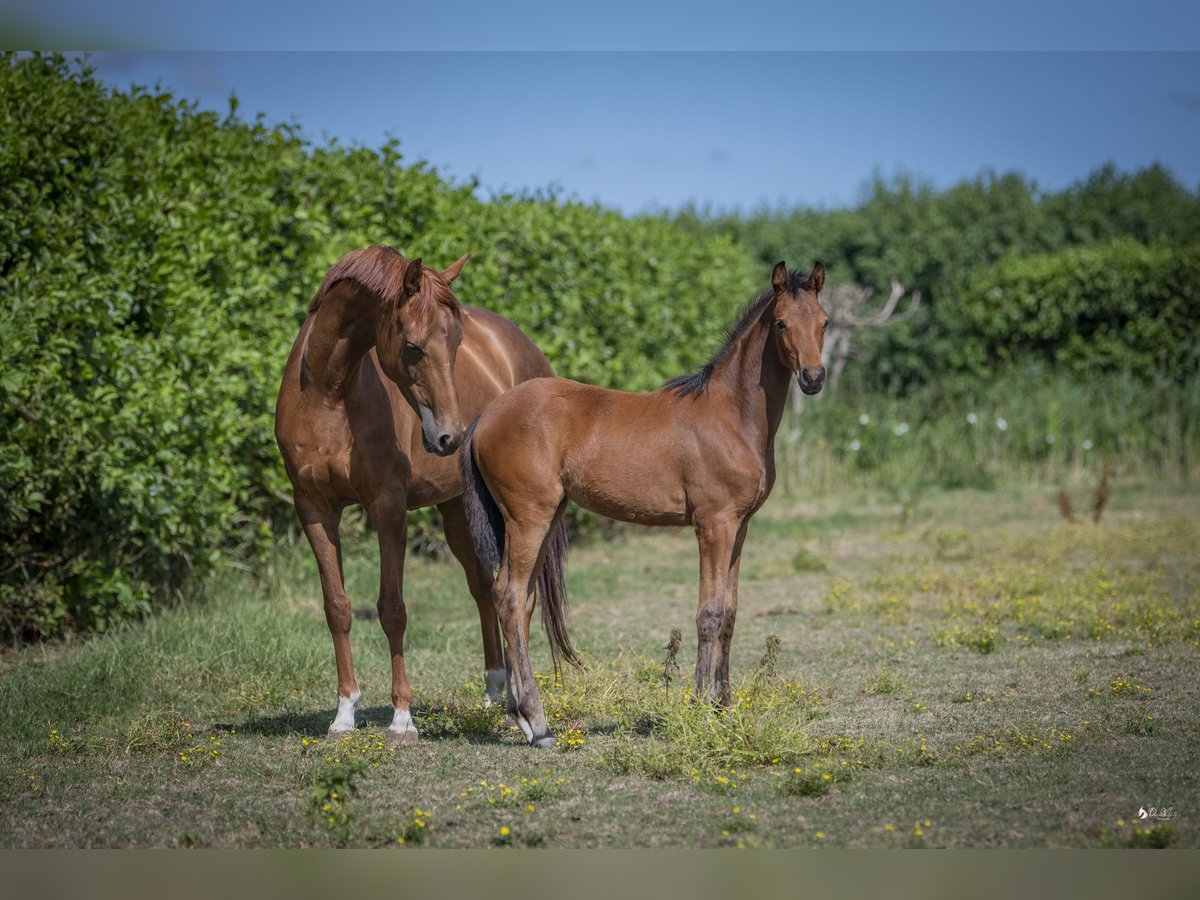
(303, 724)
(315, 724)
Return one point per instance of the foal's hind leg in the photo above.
(524, 553)
(320, 522)
(479, 581)
(389, 515)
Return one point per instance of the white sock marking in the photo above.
(495, 681)
(525, 727)
(402, 721)
(344, 720)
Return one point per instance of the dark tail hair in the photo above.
(486, 525)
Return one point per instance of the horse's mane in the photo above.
(696, 382)
(380, 271)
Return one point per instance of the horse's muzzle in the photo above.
(811, 379)
(442, 444)
(438, 439)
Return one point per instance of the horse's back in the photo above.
(493, 339)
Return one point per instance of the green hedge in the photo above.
(945, 242)
(155, 264)
(1115, 307)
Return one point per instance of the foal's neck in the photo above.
(342, 332)
(755, 383)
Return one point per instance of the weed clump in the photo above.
(673, 734)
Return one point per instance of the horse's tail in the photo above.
(486, 525)
(483, 515)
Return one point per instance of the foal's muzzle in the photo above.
(811, 378)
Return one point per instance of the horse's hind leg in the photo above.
(389, 515)
(479, 581)
(320, 522)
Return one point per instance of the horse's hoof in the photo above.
(544, 742)
(337, 734)
(407, 736)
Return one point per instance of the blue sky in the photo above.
(784, 123)
(616, 24)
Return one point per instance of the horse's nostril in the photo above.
(444, 442)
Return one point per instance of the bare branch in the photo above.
(846, 304)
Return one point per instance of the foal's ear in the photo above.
(779, 277)
(455, 269)
(816, 279)
(412, 278)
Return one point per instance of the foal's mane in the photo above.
(696, 382)
(380, 270)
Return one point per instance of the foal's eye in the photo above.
(780, 325)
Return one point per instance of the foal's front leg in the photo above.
(731, 605)
(717, 538)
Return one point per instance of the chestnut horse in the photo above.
(699, 451)
(371, 409)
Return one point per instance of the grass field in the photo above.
(955, 669)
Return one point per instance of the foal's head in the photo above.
(417, 343)
(799, 326)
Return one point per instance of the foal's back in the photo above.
(632, 457)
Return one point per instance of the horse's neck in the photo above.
(342, 332)
(753, 381)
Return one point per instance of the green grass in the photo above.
(963, 670)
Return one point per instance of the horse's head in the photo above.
(799, 326)
(417, 343)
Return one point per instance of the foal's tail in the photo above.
(487, 532)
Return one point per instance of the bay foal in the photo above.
(699, 451)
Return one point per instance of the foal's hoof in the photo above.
(544, 742)
(408, 736)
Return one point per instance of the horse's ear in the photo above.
(455, 269)
(412, 278)
(816, 280)
(779, 277)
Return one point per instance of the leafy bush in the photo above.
(155, 264)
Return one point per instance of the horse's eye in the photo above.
(780, 325)
(411, 349)
(824, 327)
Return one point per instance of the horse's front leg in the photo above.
(320, 521)
(389, 515)
(717, 538)
(479, 582)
